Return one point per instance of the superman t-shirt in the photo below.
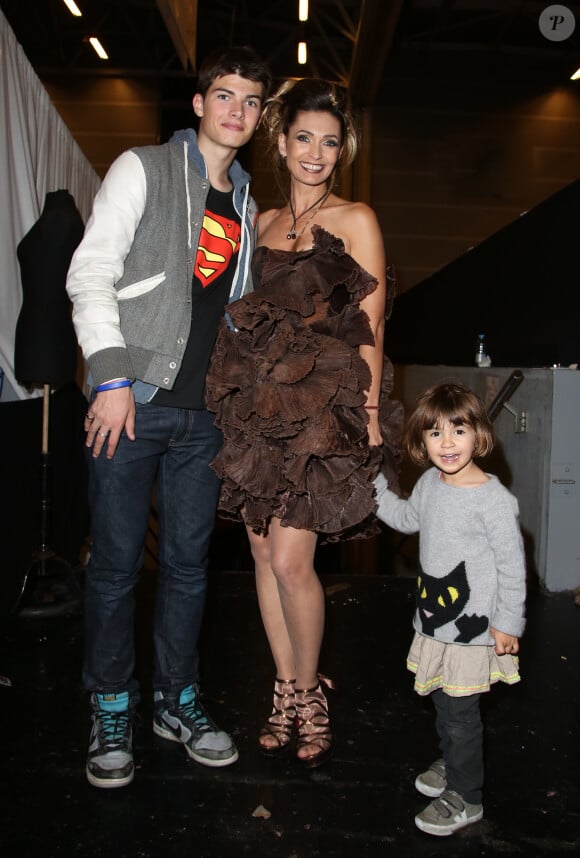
(214, 267)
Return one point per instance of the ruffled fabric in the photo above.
(460, 670)
(287, 388)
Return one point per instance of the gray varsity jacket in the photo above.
(130, 277)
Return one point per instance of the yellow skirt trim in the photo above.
(458, 669)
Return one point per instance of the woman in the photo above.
(297, 393)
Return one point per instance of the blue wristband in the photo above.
(111, 385)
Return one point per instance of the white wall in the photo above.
(37, 155)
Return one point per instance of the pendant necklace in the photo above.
(291, 234)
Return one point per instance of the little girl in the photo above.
(470, 591)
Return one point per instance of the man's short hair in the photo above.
(242, 60)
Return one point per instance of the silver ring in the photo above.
(90, 416)
(103, 434)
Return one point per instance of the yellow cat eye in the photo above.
(453, 593)
(422, 592)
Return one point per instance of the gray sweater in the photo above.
(472, 567)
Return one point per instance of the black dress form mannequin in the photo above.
(45, 355)
(45, 349)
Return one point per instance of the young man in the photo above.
(168, 244)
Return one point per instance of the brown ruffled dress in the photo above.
(288, 388)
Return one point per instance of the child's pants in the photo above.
(460, 731)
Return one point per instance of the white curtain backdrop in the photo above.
(37, 155)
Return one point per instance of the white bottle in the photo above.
(482, 359)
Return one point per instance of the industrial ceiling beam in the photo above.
(180, 18)
(376, 29)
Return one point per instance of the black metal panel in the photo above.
(520, 287)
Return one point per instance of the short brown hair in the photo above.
(453, 402)
(242, 60)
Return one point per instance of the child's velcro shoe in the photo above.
(432, 782)
(448, 814)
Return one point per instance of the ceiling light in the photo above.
(576, 75)
(303, 10)
(99, 49)
(302, 53)
(73, 8)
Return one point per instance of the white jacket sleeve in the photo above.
(98, 262)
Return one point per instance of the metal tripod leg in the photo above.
(49, 586)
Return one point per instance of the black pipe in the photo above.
(504, 394)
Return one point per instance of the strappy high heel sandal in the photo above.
(280, 725)
(313, 726)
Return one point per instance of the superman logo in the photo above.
(218, 241)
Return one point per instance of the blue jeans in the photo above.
(171, 453)
(460, 731)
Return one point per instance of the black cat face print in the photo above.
(442, 600)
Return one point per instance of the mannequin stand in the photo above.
(49, 587)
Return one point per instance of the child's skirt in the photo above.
(458, 669)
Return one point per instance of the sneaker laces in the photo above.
(113, 728)
(194, 712)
